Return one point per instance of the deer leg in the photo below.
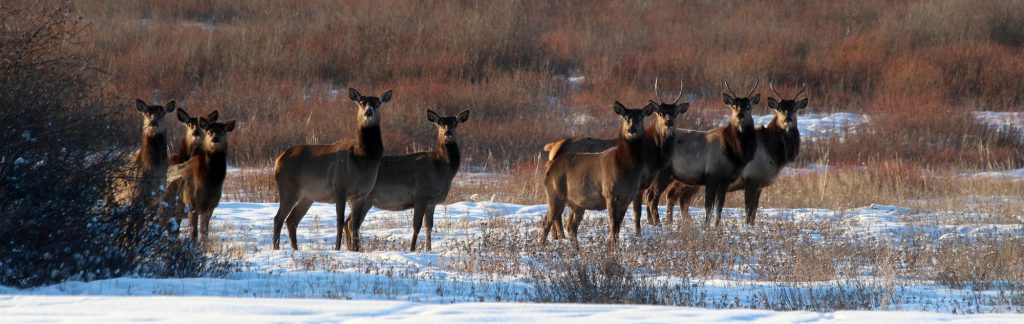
(292, 221)
(709, 201)
(556, 206)
(652, 197)
(339, 209)
(205, 220)
(637, 198)
(720, 200)
(685, 197)
(429, 220)
(285, 207)
(193, 222)
(751, 198)
(614, 221)
(355, 222)
(576, 215)
(417, 222)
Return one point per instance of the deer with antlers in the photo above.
(715, 158)
(778, 144)
(656, 149)
(337, 173)
(608, 180)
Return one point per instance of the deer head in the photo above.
(192, 131)
(215, 135)
(785, 109)
(665, 112)
(742, 106)
(446, 125)
(632, 120)
(369, 107)
(152, 116)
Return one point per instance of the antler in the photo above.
(772, 86)
(680, 96)
(657, 94)
(730, 89)
(754, 88)
(802, 88)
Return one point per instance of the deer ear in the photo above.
(386, 96)
(463, 116)
(772, 103)
(756, 99)
(353, 94)
(212, 116)
(727, 99)
(620, 109)
(203, 124)
(801, 104)
(169, 106)
(683, 107)
(432, 116)
(230, 126)
(183, 116)
(140, 105)
(649, 109)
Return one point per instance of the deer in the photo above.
(200, 179)
(345, 171)
(142, 183)
(608, 180)
(778, 144)
(716, 158)
(656, 150)
(193, 136)
(419, 180)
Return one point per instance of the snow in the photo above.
(93, 309)
(1003, 121)
(820, 126)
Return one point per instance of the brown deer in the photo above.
(190, 142)
(608, 180)
(419, 180)
(659, 133)
(778, 144)
(141, 185)
(335, 173)
(200, 179)
(715, 158)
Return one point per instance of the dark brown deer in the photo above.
(778, 144)
(659, 133)
(335, 173)
(598, 181)
(200, 179)
(190, 142)
(419, 180)
(715, 158)
(141, 185)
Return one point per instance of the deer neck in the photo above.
(448, 153)
(153, 153)
(655, 138)
(786, 140)
(629, 153)
(213, 166)
(369, 142)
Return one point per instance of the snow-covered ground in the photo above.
(416, 281)
(106, 309)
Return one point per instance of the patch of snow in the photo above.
(102, 309)
(1015, 174)
(1002, 121)
(820, 126)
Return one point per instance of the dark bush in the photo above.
(55, 125)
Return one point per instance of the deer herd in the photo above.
(636, 167)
